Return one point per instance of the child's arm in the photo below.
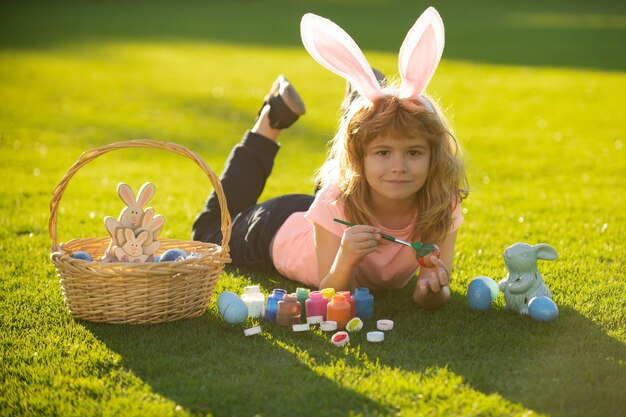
(431, 290)
(337, 258)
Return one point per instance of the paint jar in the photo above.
(303, 295)
(254, 300)
(328, 293)
(271, 308)
(352, 302)
(289, 310)
(316, 305)
(338, 310)
(364, 303)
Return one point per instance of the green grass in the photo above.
(537, 92)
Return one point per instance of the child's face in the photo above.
(396, 169)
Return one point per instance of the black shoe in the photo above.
(285, 103)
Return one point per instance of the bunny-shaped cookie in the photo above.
(132, 214)
(131, 250)
(134, 217)
(419, 55)
(152, 224)
(523, 282)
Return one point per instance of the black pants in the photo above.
(254, 225)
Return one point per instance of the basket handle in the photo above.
(92, 154)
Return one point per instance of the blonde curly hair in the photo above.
(391, 116)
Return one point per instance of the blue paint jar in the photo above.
(364, 303)
(271, 307)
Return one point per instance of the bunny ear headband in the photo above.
(419, 55)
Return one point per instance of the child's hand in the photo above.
(433, 279)
(358, 241)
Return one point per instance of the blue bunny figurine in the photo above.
(523, 282)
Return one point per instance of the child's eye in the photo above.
(382, 153)
(414, 153)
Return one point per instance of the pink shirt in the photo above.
(390, 266)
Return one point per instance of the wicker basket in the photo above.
(150, 292)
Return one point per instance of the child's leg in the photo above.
(250, 162)
(255, 228)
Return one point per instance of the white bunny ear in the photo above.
(146, 192)
(151, 248)
(129, 235)
(142, 237)
(147, 217)
(335, 50)
(157, 222)
(420, 53)
(126, 194)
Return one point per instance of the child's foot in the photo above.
(285, 104)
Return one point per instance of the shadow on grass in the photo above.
(569, 367)
(564, 368)
(207, 366)
(579, 34)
